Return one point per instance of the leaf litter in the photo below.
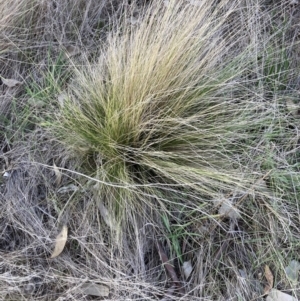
(276, 295)
(270, 279)
(60, 242)
(169, 268)
(292, 271)
(228, 209)
(11, 83)
(187, 269)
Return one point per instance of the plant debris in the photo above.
(60, 242)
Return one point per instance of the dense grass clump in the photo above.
(167, 108)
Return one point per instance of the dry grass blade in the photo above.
(60, 242)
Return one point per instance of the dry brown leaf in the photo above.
(60, 242)
(10, 82)
(93, 289)
(270, 279)
(275, 295)
(58, 174)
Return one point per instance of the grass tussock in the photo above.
(158, 132)
(167, 107)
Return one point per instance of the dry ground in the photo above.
(40, 43)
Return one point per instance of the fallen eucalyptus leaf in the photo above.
(275, 295)
(10, 82)
(57, 174)
(60, 242)
(292, 271)
(169, 268)
(270, 279)
(93, 289)
(187, 269)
